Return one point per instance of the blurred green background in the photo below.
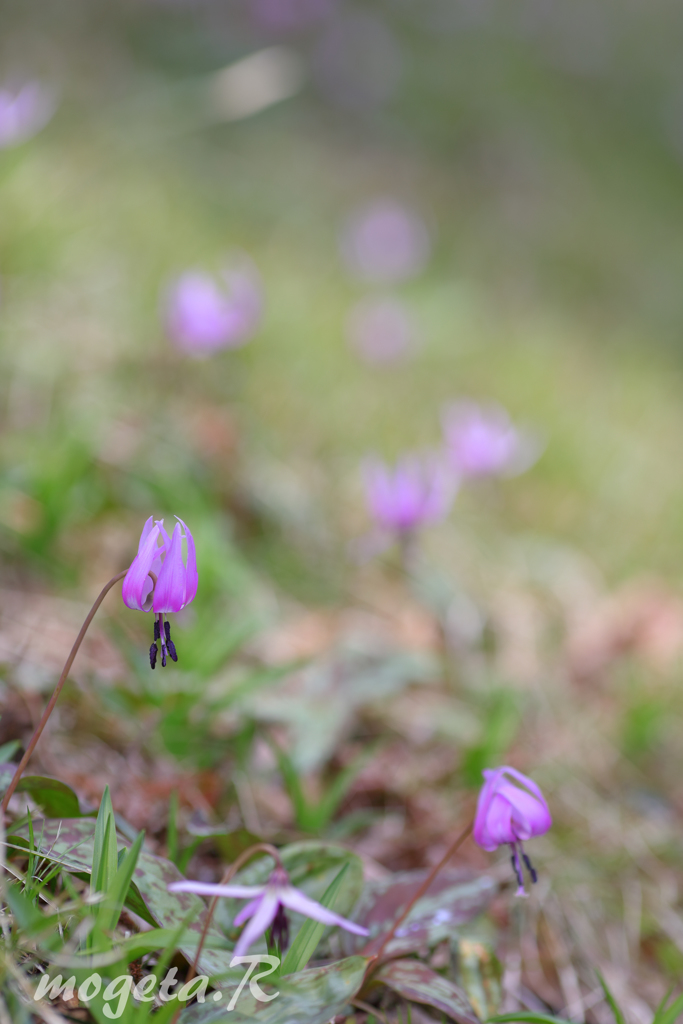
(541, 141)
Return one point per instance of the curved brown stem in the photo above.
(229, 873)
(58, 689)
(455, 845)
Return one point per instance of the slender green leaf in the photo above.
(118, 890)
(310, 933)
(614, 1006)
(672, 1012)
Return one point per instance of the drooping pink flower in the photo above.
(266, 908)
(510, 813)
(418, 491)
(385, 242)
(176, 580)
(24, 111)
(206, 313)
(481, 440)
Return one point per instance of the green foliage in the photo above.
(315, 816)
(310, 933)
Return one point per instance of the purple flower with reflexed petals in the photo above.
(418, 491)
(508, 813)
(24, 111)
(385, 242)
(266, 908)
(481, 440)
(205, 313)
(176, 580)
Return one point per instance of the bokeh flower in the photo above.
(176, 580)
(266, 908)
(417, 491)
(290, 15)
(510, 813)
(381, 330)
(385, 242)
(205, 313)
(481, 440)
(24, 110)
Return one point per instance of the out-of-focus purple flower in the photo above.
(24, 111)
(381, 330)
(509, 813)
(266, 908)
(176, 583)
(481, 440)
(418, 491)
(205, 313)
(385, 242)
(290, 15)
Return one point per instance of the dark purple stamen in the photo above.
(169, 643)
(153, 655)
(279, 930)
(530, 868)
(518, 873)
(157, 629)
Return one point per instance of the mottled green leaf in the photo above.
(454, 897)
(71, 842)
(309, 997)
(414, 981)
(55, 798)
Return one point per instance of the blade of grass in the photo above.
(614, 1006)
(310, 933)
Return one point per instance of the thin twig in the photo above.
(422, 889)
(58, 689)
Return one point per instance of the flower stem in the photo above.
(457, 843)
(230, 872)
(58, 689)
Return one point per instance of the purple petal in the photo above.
(169, 593)
(483, 804)
(247, 911)
(137, 583)
(146, 530)
(260, 922)
(499, 828)
(191, 575)
(302, 904)
(213, 889)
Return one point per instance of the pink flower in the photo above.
(385, 242)
(418, 491)
(23, 112)
(508, 813)
(205, 314)
(481, 440)
(176, 583)
(266, 908)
